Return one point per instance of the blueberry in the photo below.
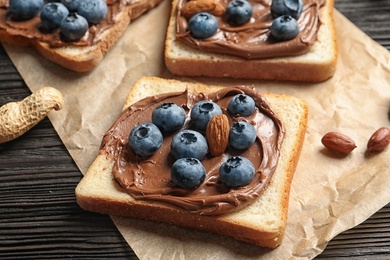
(168, 117)
(203, 25)
(72, 5)
(93, 10)
(242, 135)
(24, 9)
(236, 172)
(74, 27)
(189, 144)
(188, 173)
(242, 105)
(202, 112)
(284, 28)
(52, 15)
(238, 12)
(145, 139)
(286, 7)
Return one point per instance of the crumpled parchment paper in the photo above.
(329, 194)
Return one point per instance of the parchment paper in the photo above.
(329, 194)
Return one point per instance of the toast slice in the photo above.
(317, 65)
(262, 223)
(72, 56)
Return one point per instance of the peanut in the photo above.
(379, 140)
(338, 142)
(196, 6)
(16, 118)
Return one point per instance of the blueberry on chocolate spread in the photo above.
(145, 139)
(73, 27)
(242, 135)
(24, 9)
(237, 171)
(93, 10)
(189, 144)
(188, 173)
(238, 12)
(72, 5)
(202, 112)
(52, 15)
(241, 105)
(286, 7)
(203, 25)
(284, 28)
(168, 117)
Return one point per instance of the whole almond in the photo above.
(217, 134)
(196, 6)
(379, 140)
(338, 142)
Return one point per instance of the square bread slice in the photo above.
(316, 65)
(74, 57)
(262, 223)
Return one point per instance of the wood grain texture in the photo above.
(40, 218)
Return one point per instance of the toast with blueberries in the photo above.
(211, 158)
(285, 40)
(76, 34)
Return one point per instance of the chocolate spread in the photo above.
(149, 179)
(31, 28)
(253, 40)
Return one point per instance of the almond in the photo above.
(196, 6)
(338, 142)
(379, 140)
(217, 134)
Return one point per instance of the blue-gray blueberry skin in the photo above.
(52, 15)
(284, 28)
(145, 139)
(286, 7)
(72, 5)
(236, 172)
(188, 173)
(238, 12)
(93, 10)
(25, 9)
(168, 117)
(203, 25)
(241, 105)
(202, 112)
(242, 135)
(189, 144)
(73, 28)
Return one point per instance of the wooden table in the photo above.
(39, 215)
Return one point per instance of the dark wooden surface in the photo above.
(40, 218)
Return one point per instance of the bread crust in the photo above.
(99, 192)
(84, 58)
(317, 65)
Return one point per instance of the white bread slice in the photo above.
(262, 223)
(84, 58)
(317, 65)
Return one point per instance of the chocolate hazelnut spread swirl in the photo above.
(253, 40)
(150, 179)
(30, 29)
